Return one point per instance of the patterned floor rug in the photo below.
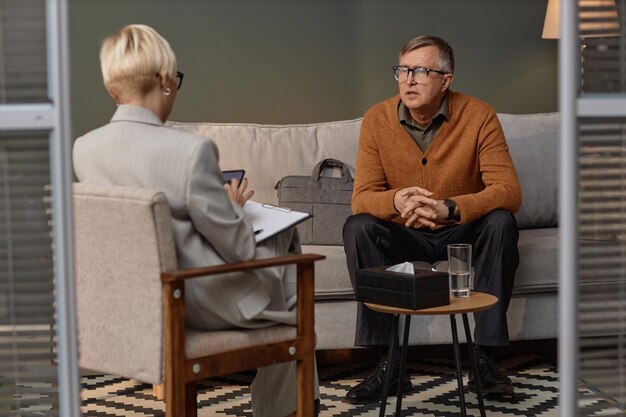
(434, 393)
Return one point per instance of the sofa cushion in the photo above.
(271, 152)
(539, 254)
(331, 274)
(533, 142)
(537, 271)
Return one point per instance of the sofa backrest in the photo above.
(271, 152)
(533, 141)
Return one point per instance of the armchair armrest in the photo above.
(183, 274)
(180, 370)
(174, 307)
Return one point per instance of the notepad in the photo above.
(268, 220)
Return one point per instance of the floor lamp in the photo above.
(596, 19)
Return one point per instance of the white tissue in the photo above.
(405, 267)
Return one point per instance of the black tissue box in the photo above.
(423, 289)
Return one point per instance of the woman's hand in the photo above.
(237, 191)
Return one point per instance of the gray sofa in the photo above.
(271, 152)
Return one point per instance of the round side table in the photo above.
(477, 301)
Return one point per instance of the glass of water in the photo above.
(460, 269)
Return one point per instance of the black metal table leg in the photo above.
(457, 358)
(405, 348)
(392, 338)
(470, 351)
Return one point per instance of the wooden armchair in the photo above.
(131, 303)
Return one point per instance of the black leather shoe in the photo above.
(492, 381)
(370, 390)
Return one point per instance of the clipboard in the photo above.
(268, 220)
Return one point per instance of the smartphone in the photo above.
(235, 173)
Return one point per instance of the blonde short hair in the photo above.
(131, 59)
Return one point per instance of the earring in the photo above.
(167, 91)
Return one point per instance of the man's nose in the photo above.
(410, 78)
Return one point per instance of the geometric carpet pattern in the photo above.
(434, 394)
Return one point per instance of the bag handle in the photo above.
(331, 163)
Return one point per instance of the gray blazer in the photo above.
(136, 149)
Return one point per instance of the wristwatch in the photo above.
(451, 204)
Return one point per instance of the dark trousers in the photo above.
(370, 241)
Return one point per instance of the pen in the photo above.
(256, 232)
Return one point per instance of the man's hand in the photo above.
(237, 192)
(415, 205)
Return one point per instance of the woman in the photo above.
(137, 149)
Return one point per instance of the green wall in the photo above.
(303, 61)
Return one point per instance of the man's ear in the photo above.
(447, 81)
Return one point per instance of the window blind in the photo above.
(27, 371)
(602, 260)
(28, 377)
(23, 57)
(602, 205)
(602, 46)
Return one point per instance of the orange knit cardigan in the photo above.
(467, 161)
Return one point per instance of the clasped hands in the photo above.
(237, 191)
(416, 206)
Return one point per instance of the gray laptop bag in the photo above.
(326, 198)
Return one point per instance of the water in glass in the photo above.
(459, 284)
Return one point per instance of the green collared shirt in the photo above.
(423, 136)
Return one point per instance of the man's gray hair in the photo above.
(446, 55)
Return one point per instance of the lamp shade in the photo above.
(597, 18)
(551, 24)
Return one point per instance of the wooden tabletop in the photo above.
(476, 302)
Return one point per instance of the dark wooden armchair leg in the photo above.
(183, 401)
(174, 399)
(306, 333)
(175, 384)
(304, 395)
(191, 399)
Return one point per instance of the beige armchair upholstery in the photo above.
(130, 303)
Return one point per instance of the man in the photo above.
(433, 168)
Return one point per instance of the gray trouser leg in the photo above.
(273, 390)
